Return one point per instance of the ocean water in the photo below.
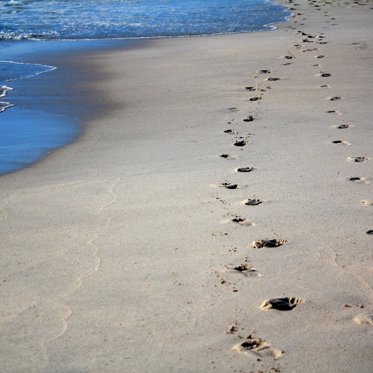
(26, 22)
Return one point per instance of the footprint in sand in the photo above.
(257, 98)
(320, 56)
(343, 126)
(358, 180)
(245, 269)
(250, 118)
(341, 142)
(336, 112)
(357, 159)
(228, 185)
(273, 79)
(334, 98)
(324, 75)
(370, 232)
(281, 304)
(230, 131)
(367, 202)
(242, 221)
(325, 86)
(364, 318)
(245, 169)
(228, 156)
(257, 347)
(263, 71)
(240, 142)
(258, 244)
(310, 50)
(253, 202)
(251, 89)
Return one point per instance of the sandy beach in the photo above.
(218, 218)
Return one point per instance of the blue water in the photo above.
(40, 21)
(93, 19)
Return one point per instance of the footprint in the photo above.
(333, 112)
(273, 79)
(253, 202)
(334, 98)
(250, 118)
(320, 56)
(232, 328)
(229, 185)
(233, 109)
(257, 98)
(242, 221)
(370, 232)
(367, 202)
(240, 143)
(359, 180)
(228, 156)
(325, 75)
(343, 126)
(289, 57)
(281, 304)
(364, 318)
(245, 269)
(230, 131)
(325, 86)
(257, 347)
(267, 243)
(251, 89)
(245, 169)
(310, 50)
(342, 142)
(264, 71)
(357, 159)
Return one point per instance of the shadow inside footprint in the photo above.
(255, 98)
(343, 126)
(245, 169)
(281, 304)
(251, 89)
(325, 75)
(268, 243)
(360, 159)
(370, 232)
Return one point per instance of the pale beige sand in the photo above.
(118, 252)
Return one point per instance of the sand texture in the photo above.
(217, 220)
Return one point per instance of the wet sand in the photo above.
(216, 219)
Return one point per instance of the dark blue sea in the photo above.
(28, 27)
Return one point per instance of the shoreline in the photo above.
(142, 258)
(62, 94)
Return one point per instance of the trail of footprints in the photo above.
(253, 345)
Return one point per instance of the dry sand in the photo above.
(120, 253)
